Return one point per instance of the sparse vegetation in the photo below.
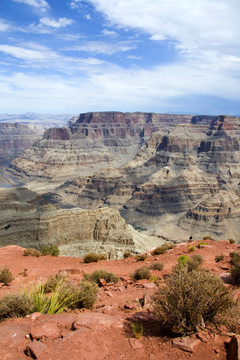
(219, 258)
(93, 257)
(194, 262)
(207, 237)
(126, 254)
(141, 273)
(183, 259)
(6, 276)
(231, 241)
(201, 244)
(141, 257)
(101, 274)
(235, 258)
(137, 329)
(50, 250)
(64, 295)
(163, 248)
(190, 299)
(15, 305)
(31, 252)
(156, 266)
(191, 248)
(52, 282)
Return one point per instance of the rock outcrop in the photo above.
(30, 220)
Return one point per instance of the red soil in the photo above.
(104, 332)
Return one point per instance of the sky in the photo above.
(164, 56)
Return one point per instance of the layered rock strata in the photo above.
(29, 220)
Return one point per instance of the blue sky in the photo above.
(74, 56)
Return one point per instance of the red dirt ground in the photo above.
(104, 332)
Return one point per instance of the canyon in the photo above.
(172, 177)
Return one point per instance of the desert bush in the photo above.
(163, 248)
(101, 274)
(64, 295)
(6, 276)
(102, 257)
(190, 299)
(231, 241)
(141, 273)
(183, 259)
(201, 244)
(191, 248)
(235, 274)
(137, 329)
(52, 250)
(141, 257)
(126, 254)
(31, 252)
(194, 262)
(52, 282)
(156, 266)
(235, 258)
(15, 305)
(91, 257)
(207, 237)
(219, 258)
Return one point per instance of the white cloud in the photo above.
(88, 17)
(4, 26)
(74, 4)
(42, 4)
(109, 33)
(193, 25)
(103, 47)
(26, 53)
(61, 22)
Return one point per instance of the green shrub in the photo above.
(126, 254)
(191, 248)
(50, 250)
(191, 298)
(194, 262)
(101, 274)
(15, 305)
(219, 258)
(31, 252)
(156, 266)
(141, 273)
(231, 241)
(201, 244)
(137, 329)
(141, 257)
(183, 259)
(6, 276)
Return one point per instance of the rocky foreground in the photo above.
(105, 332)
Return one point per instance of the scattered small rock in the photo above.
(35, 349)
(186, 343)
(135, 344)
(47, 330)
(102, 282)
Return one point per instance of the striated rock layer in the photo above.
(172, 175)
(29, 220)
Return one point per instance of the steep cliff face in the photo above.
(93, 141)
(14, 138)
(29, 220)
(159, 171)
